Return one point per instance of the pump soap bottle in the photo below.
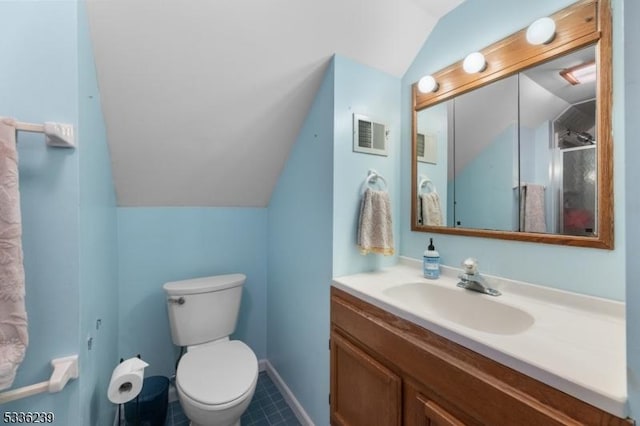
(431, 262)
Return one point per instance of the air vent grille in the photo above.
(369, 137)
(420, 145)
(426, 148)
(365, 134)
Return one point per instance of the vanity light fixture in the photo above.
(583, 73)
(474, 63)
(428, 84)
(541, 31)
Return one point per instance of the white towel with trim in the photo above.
(13, 316)
(375, 229)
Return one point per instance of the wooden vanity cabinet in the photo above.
(366, 392)
(388, 371)
(426, 411)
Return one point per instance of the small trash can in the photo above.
(151, 406)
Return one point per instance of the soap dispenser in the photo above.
(431, 262)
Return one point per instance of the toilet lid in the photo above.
(219, 373)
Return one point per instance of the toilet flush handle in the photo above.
(176, 301)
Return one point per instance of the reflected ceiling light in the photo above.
(583, 73)
(428, 84)
(474, 62)
(541, 31)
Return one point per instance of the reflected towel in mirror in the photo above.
(430, 209)
(375, 229)
(532, 208)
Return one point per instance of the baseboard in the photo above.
(173, 393)
(288, 396)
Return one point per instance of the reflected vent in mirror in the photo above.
(369, 137)
(426, 148)
(420, 145)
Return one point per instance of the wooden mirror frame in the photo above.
(586, 22)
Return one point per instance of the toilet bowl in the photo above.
(216, 382)
(216, 378)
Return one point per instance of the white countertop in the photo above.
(576, 344)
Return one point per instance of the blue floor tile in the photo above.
(267, 408)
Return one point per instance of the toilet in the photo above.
(216, 377)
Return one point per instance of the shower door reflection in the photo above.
(578, 195)
(558, 149)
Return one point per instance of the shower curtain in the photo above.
(13, 316)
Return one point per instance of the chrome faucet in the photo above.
(472, 280)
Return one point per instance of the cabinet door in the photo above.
(363, 391)
(435, 415)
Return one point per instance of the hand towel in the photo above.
(375, 230)
(13, 316)
(532, 209)
(431, 210)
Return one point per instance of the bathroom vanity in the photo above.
(411, 351)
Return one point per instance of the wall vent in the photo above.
(426, 148)
(369, 137)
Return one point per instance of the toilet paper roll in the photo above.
(126, 380)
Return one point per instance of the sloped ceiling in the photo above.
(203, 99)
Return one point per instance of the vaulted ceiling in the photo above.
(203, 99)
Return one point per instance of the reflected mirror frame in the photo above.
(584, 23)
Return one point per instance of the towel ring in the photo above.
(372, 177)
(425, 182)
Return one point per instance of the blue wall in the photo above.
(157, 245)
(306, 236)
(300, 259)
(632, 173)
(485, 197)
(312, 223)
(98, 244)
(362, 90)
(469, 27)
(68, 207)
(39, 82)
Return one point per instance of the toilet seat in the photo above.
(218, 374)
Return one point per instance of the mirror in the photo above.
(474, 178)
(525, 153)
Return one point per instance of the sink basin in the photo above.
(463, 307)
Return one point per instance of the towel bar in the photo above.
(64, 369)
(57, 134)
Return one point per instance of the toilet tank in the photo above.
(203, 309)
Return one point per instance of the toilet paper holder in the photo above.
(64, 369)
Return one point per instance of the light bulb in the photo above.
(427, 84)
(541, 31)
(474, 62)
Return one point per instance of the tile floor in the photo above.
(267, 408)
